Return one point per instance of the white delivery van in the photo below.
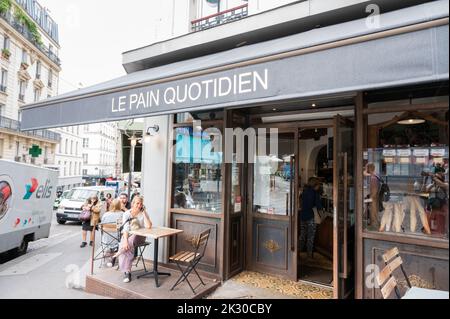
(71, 206)
(27, 194)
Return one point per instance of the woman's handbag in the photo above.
(85, 215)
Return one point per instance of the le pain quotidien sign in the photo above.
(205, 92)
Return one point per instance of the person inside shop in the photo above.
(134, 219)
(374, 187)
(311, 204)
(126, 205)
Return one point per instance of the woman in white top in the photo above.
(134, 219)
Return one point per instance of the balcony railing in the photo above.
(8, 17)
(219, 18)
(13, 125)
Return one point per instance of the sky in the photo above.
(94, 33)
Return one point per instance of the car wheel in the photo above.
(60, 221)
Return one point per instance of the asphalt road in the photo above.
(53, 268)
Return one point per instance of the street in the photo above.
(53, 268)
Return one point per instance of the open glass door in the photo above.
(273, 208)
(343, 210)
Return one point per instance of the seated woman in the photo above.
(111, 217)
(133, 219)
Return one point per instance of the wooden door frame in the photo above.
(336, 243)
(250, 215)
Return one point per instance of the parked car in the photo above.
(59, 199)
(71, 206)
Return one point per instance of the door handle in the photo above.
(292, 203)
(345, 219)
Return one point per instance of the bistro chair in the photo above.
(190, 259)
(385, 279)
(110, 239)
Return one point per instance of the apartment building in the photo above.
(99, 151)
(30, 67)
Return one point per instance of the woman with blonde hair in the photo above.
(114, 215)
(133, 219)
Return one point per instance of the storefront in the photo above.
(326, 109)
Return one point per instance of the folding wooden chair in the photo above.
(191, 259)
(385, 276)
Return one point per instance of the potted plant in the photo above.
(24, 65)
(6, 53)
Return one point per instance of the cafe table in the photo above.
(421, 293)
(156, 233)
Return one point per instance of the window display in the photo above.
(197, 172)
(406, 175)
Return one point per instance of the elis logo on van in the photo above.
(42, 192)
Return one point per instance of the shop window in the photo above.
(406, 175)
(197, 171)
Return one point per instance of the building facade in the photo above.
(99, 151)
(352, 93)
(29, 73)
(69, 158)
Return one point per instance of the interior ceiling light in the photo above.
(411, 121)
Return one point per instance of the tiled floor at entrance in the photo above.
(252, 285)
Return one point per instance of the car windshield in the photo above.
(81, 195)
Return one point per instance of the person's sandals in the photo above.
(127, 277)
(91, 243)
(83, 244)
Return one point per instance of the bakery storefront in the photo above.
(242, 132)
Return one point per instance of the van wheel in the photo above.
(21, 250)
(60, 221)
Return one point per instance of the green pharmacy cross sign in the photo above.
(35, 151)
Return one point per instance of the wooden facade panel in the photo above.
(235, 241)
(192, 226)
(271, 245)
(426, 267)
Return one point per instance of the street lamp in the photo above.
(133, 142)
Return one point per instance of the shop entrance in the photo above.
(276, 231)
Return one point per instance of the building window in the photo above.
(406, 173)
(65, 169)
(197, 181)
(38, 70)
(85, 172)
(76, 149)
(37, 95)
(85, 158)
(22, 88)
(66, 146)
(60, 147)
(24, 57)
(50, 78)
(4, 81)
(85, 142)
(2, 108)
(70, 169)
(6, 43)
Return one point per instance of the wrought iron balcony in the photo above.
(220, 18)
(8, 17)
(13, 125)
